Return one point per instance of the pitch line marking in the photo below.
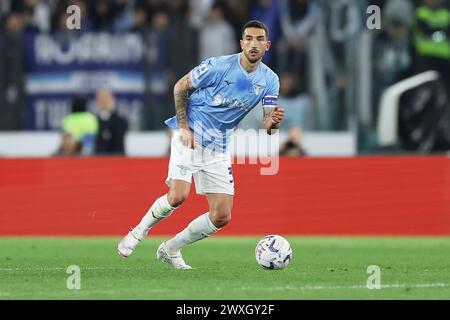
(305, 288)
(385, 286)
(62, 268)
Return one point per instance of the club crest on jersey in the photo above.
(257, 89)
(183, 171)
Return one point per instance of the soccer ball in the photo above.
(273, 252)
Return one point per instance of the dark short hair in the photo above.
(256, 24)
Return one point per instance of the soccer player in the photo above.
(210, 101)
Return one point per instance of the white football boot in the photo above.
(127, 245)
(176, 261)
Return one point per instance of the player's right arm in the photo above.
(183, 88)
(202, 76)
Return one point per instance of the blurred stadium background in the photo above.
(348, 89)
(351, 85)
(333, 69)
(83, 146)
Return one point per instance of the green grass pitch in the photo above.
(225, 268)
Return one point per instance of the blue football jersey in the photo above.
(224, 94)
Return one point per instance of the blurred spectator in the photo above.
(183, 38)
(237, 15)
(298, 19)
(160, 20)
(393, 52)
(199, 11)
(81, 125)
(14, 23)
(156, 6)
(179, 10)
(293, 146)
(297, 105)
(29, 24)
(267, 11)
(216, 35)
(432, 37)
(124, 17)
(139, 19)
(102, 13)
(111, 128)
(157, 73)
(69, 146)
(39, 14)
(11, 72)
(5, 8)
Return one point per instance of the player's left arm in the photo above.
(273, 114)
(272, 119)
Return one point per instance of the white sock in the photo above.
(199, 228)
(160, 210)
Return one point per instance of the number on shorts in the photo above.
(230, 172)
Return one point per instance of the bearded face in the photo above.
(254, 44)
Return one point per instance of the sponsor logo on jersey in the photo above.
(231, 103)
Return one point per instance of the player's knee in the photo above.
(176, 199)
(220, 218)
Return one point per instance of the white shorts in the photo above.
(212, 170)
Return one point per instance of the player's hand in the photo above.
(187, 138)
(277, 115)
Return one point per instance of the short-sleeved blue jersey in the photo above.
(224, 94)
